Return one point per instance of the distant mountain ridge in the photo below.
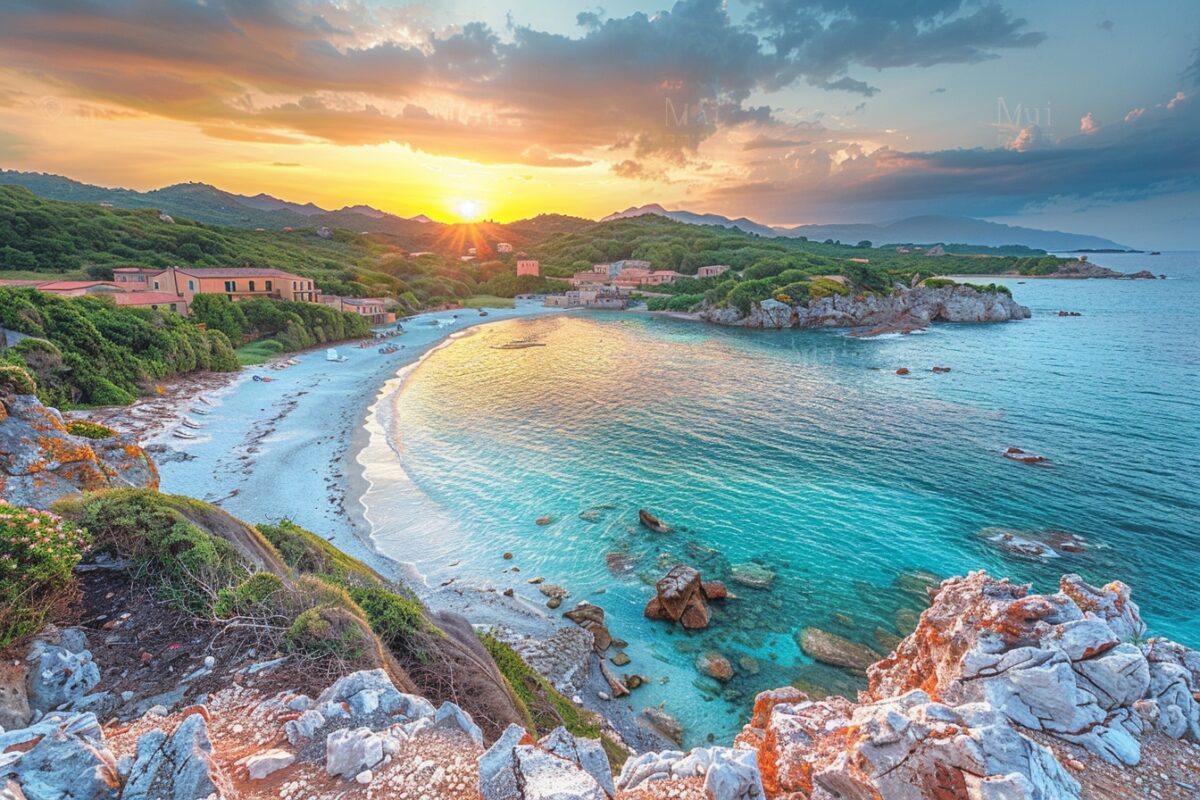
(927, 229)
(208, 204)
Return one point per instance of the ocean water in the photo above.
(802, 452)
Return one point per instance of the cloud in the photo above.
(1151, 154)
(763, 142)
(1031, 137)
(823, 39)
(1106, 25)
(1088, 124)
(939, 90)
(352, 73)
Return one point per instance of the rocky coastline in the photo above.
(999, 693)
(902, 310)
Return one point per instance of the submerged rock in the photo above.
(652, 522)
(715, 665)
(829, 648)
(753, 575)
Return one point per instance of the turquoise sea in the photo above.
(804, 453)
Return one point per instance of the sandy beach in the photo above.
(305, 445)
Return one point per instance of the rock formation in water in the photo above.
(41, 460)
(901, 310)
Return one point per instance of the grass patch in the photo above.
(488, 301)
(399, 622)
(305, 552)
(90, 430)
(260, 352)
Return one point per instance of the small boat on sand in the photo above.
(200, 411)
(190, 423)
(183, 435)
(204, 400)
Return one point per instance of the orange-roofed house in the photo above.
(528, 266)
(78, 288)
(236, 283)
(159, 301)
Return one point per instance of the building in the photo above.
(593, 276)
(79, 288)
(237, 283)
(599, 297)
(158, 301)
(528, 266)
(373, 309)
(712, 271)
(661, 276)
(503, 247)
(617, 267)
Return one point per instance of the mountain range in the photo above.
(208, 204)
(926, 229)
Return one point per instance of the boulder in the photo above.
(664, 723)
(753, 575)
(587, 754)
(652, 522)
(176, 767)
(829, 648)
(268, 762)
(14, 698)
(728, 774)
(715, 665)
(451, 716)
(60, 670)
(369, 697)
(41, 462)
(714, 590)
(68, 759)
(562, 767)
(349, 751)
(679, 598)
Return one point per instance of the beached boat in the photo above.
(332, 355)
(190, 423)
(204, 400)
(183, 435)
(200, 411)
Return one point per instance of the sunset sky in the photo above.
(1077, 114)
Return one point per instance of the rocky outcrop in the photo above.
(680, 597)
(902, 309)
(41, 461)
(559, 767)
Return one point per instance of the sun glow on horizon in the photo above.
(468, 210)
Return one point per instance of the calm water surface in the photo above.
(802, 452)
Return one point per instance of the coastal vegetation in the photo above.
(292, 326)
(38, 550)
(88, 351)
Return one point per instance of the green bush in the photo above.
(37, 553)
(256, 594)
(398, 622)
(821, 287)
(305, 552)
(186, 565)
(90, 430)
(325, 631)
(15, 380)
(938, 283)
(991, 288)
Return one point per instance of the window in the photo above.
(156, 284)
(252, 286)
(268, 286)
(191, 286)
(231, 286)
(174, 307)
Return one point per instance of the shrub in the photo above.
(37, 552)
(256, 594)
(326, 631)
(183, 563)
(826, 287)
(938, 283)
(90, 430)
(991, 288)
(398, 622)
(304, 551)
(15, 380)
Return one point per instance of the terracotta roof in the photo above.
(235, 272)
(146, 298)
(52, 286)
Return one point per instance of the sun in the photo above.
(467, 210)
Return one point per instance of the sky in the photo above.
(1078, 115)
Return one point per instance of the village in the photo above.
(612, 285)
(173, 289)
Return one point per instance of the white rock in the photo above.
(267, 762)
